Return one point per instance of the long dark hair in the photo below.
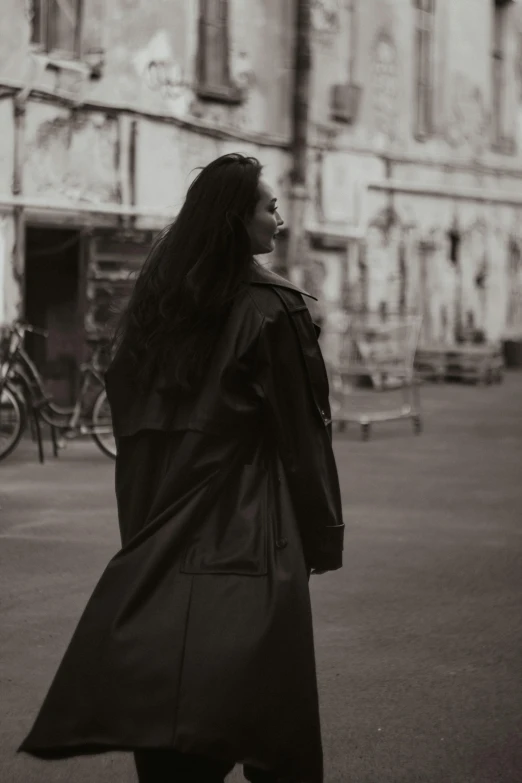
(191, 276)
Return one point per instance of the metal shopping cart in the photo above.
(372, 363)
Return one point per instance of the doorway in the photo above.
(53, 301)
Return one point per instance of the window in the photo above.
(501, 113)
(425, 13)
(56, 26)
(213, 60)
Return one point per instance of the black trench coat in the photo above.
(198, 635)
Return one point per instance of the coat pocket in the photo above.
(232, 538)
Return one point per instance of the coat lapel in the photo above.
(307, 337)
(259, 275)
(307, 334)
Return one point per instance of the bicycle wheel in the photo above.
(102, 434)
(13, 419)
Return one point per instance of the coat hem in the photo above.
(63, 752)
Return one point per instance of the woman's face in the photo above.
(265, 222)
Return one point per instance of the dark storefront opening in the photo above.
(53, 301)
(114, 258)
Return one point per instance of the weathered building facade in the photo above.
(414, 152)
(427, 168)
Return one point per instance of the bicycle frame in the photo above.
(74, 427)
(19, 369)
(21, 377)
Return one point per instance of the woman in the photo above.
(195, 650)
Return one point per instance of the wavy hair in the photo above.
(191, 276)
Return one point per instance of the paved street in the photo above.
(418, 637)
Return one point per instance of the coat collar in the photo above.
(260, 275)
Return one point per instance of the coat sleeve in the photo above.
(303, 440)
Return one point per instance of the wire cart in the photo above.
(370, 359)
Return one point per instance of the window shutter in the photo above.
(419, 98)
(424, 67)
(64, 26)
(214, 43)
(93, 29)
(37, 18)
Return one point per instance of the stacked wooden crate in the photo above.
(467, 362)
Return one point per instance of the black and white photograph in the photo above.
(261, 391)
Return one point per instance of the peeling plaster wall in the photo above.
(169, 158)
(149, 52)
(410, 242)
(5, 262)
(405, 260)
(70, 154)
(6, 145)
(338, 188)
(9, 289)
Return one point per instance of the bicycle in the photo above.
(23, 395)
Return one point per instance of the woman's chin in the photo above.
(264, 250)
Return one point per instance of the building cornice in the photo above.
(9, 202)
(10, 88)
(226, 133)
(444, 191)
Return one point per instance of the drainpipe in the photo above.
(299, 140)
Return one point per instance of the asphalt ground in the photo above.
(418, 638)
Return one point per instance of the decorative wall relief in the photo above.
(326, 15)
(469, 119)
(385, 85)
(243, 73)
(156, 65)
(163, 77)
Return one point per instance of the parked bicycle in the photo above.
(23, 395)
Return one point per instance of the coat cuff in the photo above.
(332, 539)
(328, 555)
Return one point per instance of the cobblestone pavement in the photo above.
(418, 637)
